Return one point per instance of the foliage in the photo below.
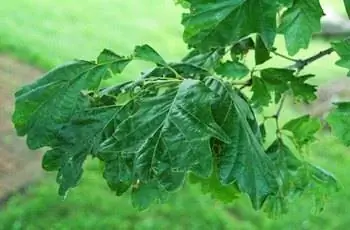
(203, 115)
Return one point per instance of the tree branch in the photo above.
(301, 63)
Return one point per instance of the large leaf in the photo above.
(220, 23)
(167, 136)
(299, 22)
(76, 140)
(244, 160)
(44, 106)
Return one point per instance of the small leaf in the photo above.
(299, 22)
(233, 69)
(108, 56)
(303, 91)
(147, 53)
(342, 48)
(261, 96)
(303, 128)
(213, 186)
(277, 80)
(339, 121)
(262, 53)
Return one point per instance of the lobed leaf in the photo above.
(299, 22)
(242, 161)
(303, 129)
(339, 121)
(44, 106)
(212, 24)
(166, 137)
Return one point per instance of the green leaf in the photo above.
(299, 22)
(45, 105)
(342, 48)
(75, 141)
(261, 96)
(233, 69)
(277, 80)
(243, 161)
(207, 60)
(287, 165)
(143, 195)
(296, 177)
(339, 121)
(262, 53)
(108, 56)
(285, 3)
(213, 186)
(220, 23)
(147, 53)
(303, 91)
(303, 129)
(347, 7)
(168, 135)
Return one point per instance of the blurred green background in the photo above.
(46, 33)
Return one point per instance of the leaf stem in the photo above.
(284, 56)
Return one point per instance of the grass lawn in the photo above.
(47, 33)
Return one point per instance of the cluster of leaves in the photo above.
(197, 118)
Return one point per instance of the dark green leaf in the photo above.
(287, 165)
(303, 91)
(219, 23)
(277, 80)
(108, 56)
(168, 135)
(339, 120)
(261, 96)
(143, 195)
(77, 139)
(147, 53)
(44, 106)
(207, 60)
(285, 3)
(262, 53)
(233, 69)
(243, 161)
(347, 7)
(241, 48)
(303, 129)
(299, 22)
